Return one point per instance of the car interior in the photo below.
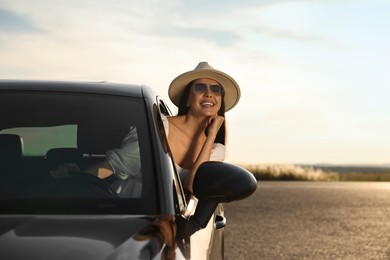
(36, 142)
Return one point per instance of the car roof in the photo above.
(102, 87)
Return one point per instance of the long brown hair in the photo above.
(183, 110)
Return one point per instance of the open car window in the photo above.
(50, 142)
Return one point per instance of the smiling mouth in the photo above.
(207, 104)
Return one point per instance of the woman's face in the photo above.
(205, 97)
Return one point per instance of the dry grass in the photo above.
(358, 176)
(290, 172)
(318, 173)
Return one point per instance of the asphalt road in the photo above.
(310, 220)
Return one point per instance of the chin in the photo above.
(210, 113)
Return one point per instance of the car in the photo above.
(51, 207)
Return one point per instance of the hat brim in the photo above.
(230, 86)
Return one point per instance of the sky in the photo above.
(314, 74)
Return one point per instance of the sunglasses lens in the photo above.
(217, 89)
(201, 88)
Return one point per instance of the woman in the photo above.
(197, 134)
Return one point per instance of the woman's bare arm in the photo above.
(214, 123)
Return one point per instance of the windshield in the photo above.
(74, 153)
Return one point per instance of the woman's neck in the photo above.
(195, 124)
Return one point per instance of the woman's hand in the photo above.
(213, 125)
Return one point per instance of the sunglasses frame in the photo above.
(216, 89)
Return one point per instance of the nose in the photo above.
(208, 92)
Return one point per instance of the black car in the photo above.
(52, 208)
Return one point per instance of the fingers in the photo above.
(214, 124)
(216, 120)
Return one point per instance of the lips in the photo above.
(211, 104)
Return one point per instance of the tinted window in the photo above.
(37, 141)
(51, 142)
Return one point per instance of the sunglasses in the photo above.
(201, 88)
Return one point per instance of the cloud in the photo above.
(213, 35)
(16, 23)
(288, 34)
(224, 5)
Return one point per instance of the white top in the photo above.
(218, 152)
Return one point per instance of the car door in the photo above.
(206, 243)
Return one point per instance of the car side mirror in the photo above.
(217, 182)
(223, 182)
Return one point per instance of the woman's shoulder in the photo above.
(171, 120)
(175, 120)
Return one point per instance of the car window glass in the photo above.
(38, 140)
(72, 133)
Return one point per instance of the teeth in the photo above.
(207, 104)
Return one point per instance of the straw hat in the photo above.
(204, 70)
